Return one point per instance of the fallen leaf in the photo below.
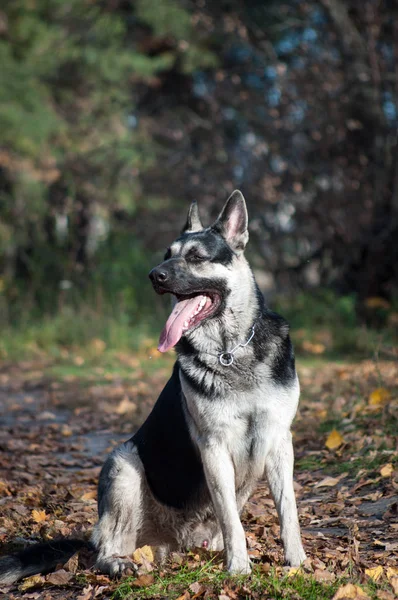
(31, 582)
(143, 580)
(91, 495)
(142, 554)
(293, 571)
(387, 470)
(87, 593)
(328, 482)
(334, 440)
(375, 573)
(66, 431)
(73, 563)
(98, 578)
(197, 589)
(125, 406)
(60, 577)
(394, 584)
(322, 575)
(383, 595)
(391, 572)
(39, 516)
(185, 596)
(379, 397)
(350, 591)
(4, 491)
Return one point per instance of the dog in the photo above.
(221, 423)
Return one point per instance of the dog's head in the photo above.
(197, 268)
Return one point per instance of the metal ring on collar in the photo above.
(226, 359)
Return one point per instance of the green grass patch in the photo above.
(259, 585)
(358, 464)
(325, 324)
(121, 313)
(309, 463)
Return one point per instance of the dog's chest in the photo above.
(240, 423)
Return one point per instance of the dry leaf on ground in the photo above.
(375, 573)
(350, 592)
(39, 515)
(334, 440)
(144, 580)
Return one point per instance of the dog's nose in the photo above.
(158, 275)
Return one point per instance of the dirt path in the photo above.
(56, 432)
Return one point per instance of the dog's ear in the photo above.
(193, 222)
(232, 222)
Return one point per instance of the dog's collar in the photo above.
(226, 358)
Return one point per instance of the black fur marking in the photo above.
(195, 383)
(272, 339)
(250, 435)
(215, 247)
(199, 383)
(185, 348)
(172, 464)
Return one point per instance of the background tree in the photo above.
(116, 113)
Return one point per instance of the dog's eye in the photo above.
(168, 254)
(196, 257)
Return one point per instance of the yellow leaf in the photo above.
(334, 440)
(31, 582)
(387, 470)
(39, 515)
(143, 553)
(349, 591)
(375, 572)
(379, 397)
(293, 571)
(328, 482)
(66, 431)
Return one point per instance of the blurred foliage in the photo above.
(325, 324)
(70, 151)
(115, 114)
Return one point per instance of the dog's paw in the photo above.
(116, 566)
(239, 566)
(296, 558)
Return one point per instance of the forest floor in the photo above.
(60, 418)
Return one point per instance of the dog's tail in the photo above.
(39, 558)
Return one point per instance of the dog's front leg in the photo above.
(279, 470)
(220, 476)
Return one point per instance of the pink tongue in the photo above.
(173, 329)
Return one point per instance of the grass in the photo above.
(261, 585)
(323, 325)
(272, 584)
(332, 466)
